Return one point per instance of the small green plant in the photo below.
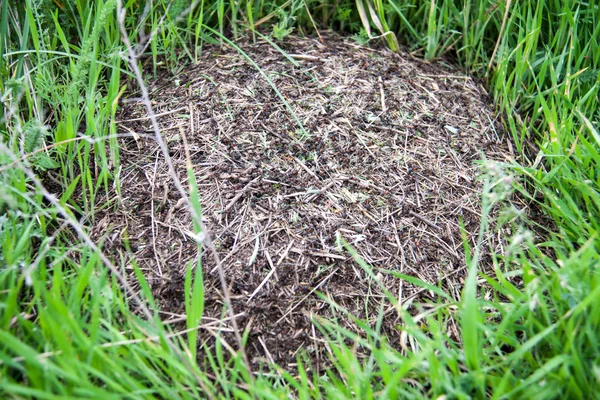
(35, 134)
(343, 15)
(283, 29)
(362, 37)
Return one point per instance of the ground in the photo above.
(375, 148)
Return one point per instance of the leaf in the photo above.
(34, 133)
(363, 16)
(44, 162)
(69, 192)
(375, 19)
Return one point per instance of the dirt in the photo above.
(383, 152)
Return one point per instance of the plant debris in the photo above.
(375, 148)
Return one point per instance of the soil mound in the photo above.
(356, 143)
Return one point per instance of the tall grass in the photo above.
(66, 326)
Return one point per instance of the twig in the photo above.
(255, 251)
(382, 94)
(320, 254)
(305, 57)
(313, 22)
(267, 352)
(500, 34)
(152, 217)
(285, 253)
(148, 117)
(423, 219)
(264, 281)
(306, 168)
(320, 191)
(271, 15)
(239, 195)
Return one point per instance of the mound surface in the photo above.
(377, 148)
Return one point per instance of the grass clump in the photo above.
(68, 329)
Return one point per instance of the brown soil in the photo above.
(386, 160)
